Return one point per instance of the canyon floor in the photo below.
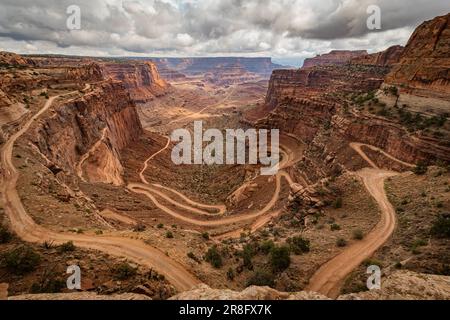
(146, 226)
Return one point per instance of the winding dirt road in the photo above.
(24, 226)
(330, 277)
(263, 216)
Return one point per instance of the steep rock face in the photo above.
(335, 57)
(230, 74)
(386, 58)
(141, 79)
(424, 68)
(105, 119)
(314, 82)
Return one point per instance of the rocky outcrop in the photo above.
(401, 285)
(12, 59)
(335, 57)
(386, 58)
(406, 285)
(203, 292)
(424, 68)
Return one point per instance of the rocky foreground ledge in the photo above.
(401, 285)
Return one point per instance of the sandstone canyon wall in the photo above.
(424, 68)
(141, 79)
(335, 57)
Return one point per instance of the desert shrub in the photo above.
(298, 245)
(5, 235)
(213, 257)
(124, 271)
(266, 246)
(248, 253)
(48, 283)
(335, 227)
(341, 242)
(338, 203)
(358, 235)
(169, 235)
(280, 258)
(205, 235)
(372, 262)
(47, 245)
(139, 227)
(160, 226)
(230, 274)
(21, 260)
(421, 168)
(192, 256)
(441, 227)
(66, 247)
(261, 278)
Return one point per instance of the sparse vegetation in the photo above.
(358, 234)
(5, 235)
(124, 271)
(441, 227)
(261, 278)
(341, 242)
(280, 258)
(335, 227)
(338, 203)
(214, 258)
(205, 235)
(66, 247)
(298, 245)
(169, 235)
(192, 256)
(21, 260)
(421, 168)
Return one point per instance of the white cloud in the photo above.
(290, 28)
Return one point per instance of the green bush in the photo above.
(49, 283)
(169, 235)
(420, 169)
(280, 258)
(205, 235)
(214, 258)
(21, 260)
(5, 235)
(192, 256)
(335, 227)
(66, 247)
(266, 246)
(358, 235)
(248, 253)
(338, 203)
(298, 245)
(341, 242)
(441, 227)
(261, 278)
(124, 271)
(230, 274)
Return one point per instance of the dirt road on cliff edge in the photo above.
(330, 277)
(24, 226)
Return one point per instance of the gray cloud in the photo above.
(208, 27)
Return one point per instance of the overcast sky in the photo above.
(282, 28)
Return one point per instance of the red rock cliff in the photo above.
(424, 68)
(335, 57)
(141, 79)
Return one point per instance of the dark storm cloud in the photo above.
(189, 27)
